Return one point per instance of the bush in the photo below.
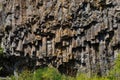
(47, 74)
(53, 74)
(42, 74)
(50, 74)
(115, 72)
(25, 75)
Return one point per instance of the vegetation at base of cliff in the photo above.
(50, 73)
(53, 74)
(41, 74)
(114, 74)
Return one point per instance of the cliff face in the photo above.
(71, 35)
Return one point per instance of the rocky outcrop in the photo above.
(84, 33)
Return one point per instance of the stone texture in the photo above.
(85, 33)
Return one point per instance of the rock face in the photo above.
(71, 35)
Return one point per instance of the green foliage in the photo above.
(115, 72)
(53, 74)
(42, 74)
(1, 51)
(85, 77)
(47, 74)
(82, 77)
(25, 75)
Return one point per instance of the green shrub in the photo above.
(53, 74)
(50, 74)
(42, 74)
(114, 74)
(47, 74)
(25, 75)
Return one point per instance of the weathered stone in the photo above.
(20, 46)
(59, 31)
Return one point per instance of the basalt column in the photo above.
(71, 35)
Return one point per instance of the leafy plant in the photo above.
(114, 74)
(1, 51)
(50, 73)
(25, 75)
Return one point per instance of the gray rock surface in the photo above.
(82, 35)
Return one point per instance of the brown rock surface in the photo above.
(82, 35)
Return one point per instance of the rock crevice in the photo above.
(62, 32)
